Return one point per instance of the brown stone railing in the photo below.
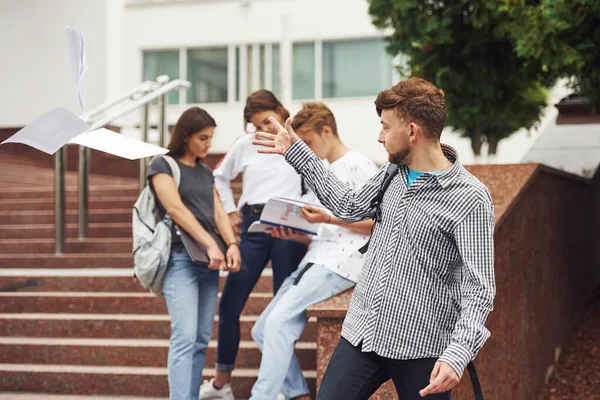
(547, 264)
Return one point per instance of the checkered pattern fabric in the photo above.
(427, 285)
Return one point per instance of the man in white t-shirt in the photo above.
(331, 265)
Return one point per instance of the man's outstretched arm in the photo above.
(346, 204)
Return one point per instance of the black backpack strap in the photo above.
(475, 381)
(390, 173)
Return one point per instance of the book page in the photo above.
(114, 143)
(50, 131)
(284, 212)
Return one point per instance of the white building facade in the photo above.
(302, 50)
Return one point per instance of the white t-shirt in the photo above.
(336, 247)
(264, 176)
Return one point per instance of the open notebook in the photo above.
(283, 212)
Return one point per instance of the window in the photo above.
(303, 71)
(254, 68)
(276, 71)
(354, 68)
(207, 71)
(158, 63)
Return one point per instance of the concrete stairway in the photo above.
(79, 324)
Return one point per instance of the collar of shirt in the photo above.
(442, 179)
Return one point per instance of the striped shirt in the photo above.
(427, 285)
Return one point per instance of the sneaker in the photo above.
(280, 396)
(209, 392)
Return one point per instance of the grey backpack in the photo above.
(152, 236)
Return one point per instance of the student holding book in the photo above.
(331, 265)
(263, 177)
(191, 288)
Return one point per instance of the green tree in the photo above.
(464, 48)
(564, 35)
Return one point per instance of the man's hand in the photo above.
(234, 258)
(288, 234)
(443, 378)
(236, 222)
(279, 143)
(315, 215)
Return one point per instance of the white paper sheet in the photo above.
(76, 45)
(50, 131)
(114, 143)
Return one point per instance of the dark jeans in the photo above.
(354, 375)
(256, 249)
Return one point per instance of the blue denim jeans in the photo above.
(191, 291)
(282, 323)
(256, 249)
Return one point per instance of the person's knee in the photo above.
(258, 333)
(229, 311)
(184, 334)
(276, 322)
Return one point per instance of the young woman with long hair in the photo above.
(191, 288)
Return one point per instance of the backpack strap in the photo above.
(390, 173)
(174, 169)
(475, 381)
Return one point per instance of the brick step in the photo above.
(118, 326)
(135, 381)
(44, 396)
(124, 352)
(30, 217)
(106, 202)
(40, 246)
(45, 231)
(102, 303)
(71, 192)
(93, 280)
(90, 260)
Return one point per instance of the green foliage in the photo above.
(466, 48)
(564, 35)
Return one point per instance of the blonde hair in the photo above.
(314, 115)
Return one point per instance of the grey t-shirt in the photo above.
(195, 189)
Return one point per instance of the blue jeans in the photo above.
(282, 323)
(256, 250)
(191, 291)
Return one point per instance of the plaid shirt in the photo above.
(427, 285)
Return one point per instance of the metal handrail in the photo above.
(84, 152)
(162, 90)
(143, 87)
(153, 90)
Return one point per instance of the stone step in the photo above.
(70, 192)
(31, 217)
(46, 231)
(45, 396)
(93, 280)
(90, 245)
(102, 303)
(124, 352)
(89, 260)
(117, 326)
(105, 202)
(134, 381)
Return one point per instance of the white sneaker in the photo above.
(280, 396)
(209, 392)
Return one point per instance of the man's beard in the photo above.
(399, 157)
